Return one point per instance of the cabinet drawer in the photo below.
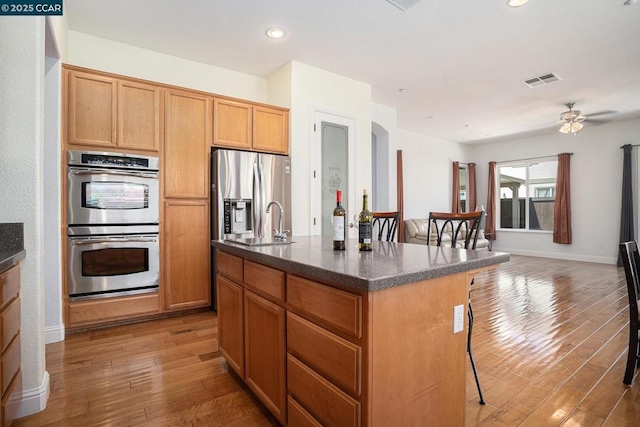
(10, 323)
(298, 417)
(11, 400)
(265, 279)
(9, 285)
(340, 309)
(230, 266)
(327, 353)
(323, 400)
(10, 363)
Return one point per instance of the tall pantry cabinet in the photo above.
(188, 121)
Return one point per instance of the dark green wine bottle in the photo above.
(365, 224)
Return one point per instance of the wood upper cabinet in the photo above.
(138, 116)
(270, 130)
(265, 352)
(92, 109)
(186, 254)
(233, 124)
(245, 126)
(186, 146)
(114, 113)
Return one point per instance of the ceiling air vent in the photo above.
(544, 79)
(404, 4)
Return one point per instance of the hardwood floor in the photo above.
(549, 341)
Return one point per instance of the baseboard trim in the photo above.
(34, 400)
(54, 334)
(557, 255)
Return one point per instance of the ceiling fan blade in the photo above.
(596, 121)
(602, 114)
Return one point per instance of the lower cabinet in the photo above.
(265, 352)
(10, 373)
(231, 323)
(186, 253)
(251, 328)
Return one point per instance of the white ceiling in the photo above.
(460, 61)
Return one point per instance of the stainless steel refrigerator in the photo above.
(243, 184)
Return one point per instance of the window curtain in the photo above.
(471, 174)
(562, 207)
(455, 191)
(626, 215)
(490, 225)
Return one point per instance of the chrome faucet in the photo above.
(278, 234)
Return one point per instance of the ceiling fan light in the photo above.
(575, 126)
(566, 128)
(516, 3)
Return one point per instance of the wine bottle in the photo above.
(365, 224)
(339, 230)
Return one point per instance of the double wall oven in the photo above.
(112, 214)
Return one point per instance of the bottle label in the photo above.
(338, 228)
(364, 232)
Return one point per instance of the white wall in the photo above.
(113, 57)
(596, 181)
(426, 163)
(313, 89)
(21, 173)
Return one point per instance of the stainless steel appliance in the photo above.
(112, 212)
(112, 188)
(112, 261)
(243, 187)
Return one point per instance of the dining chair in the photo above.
(385, 225)
(631, 262)
(458, 230)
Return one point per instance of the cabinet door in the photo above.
(233, 124)
(186, 254)
(187, 144)
(231, 323)
(270, 130)
(91, 110)
(265, 352)
(138, 116)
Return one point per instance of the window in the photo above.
(527, 195)
(463, 188)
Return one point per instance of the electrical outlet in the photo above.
(458, 318)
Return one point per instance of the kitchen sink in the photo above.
(256, 241)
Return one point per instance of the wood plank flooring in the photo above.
(549, 341)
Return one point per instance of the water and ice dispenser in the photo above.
(238, 216)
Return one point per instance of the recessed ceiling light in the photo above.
(275, 33)
(630, 2)
(402, 90)
(516, 3)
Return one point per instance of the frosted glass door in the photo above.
(334, 173)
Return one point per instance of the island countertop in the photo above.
(389, 264)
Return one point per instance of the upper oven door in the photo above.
(104, 196)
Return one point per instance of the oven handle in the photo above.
(116, 240)
(110, 172)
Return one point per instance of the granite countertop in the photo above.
(389, 264)
(11, 244)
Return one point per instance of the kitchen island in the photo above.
(348, 338)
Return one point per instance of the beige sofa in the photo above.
(415, 231)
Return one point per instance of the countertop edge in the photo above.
(370, 285)
(10, 258)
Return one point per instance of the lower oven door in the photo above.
(107, 266)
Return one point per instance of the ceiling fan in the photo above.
(572, 120)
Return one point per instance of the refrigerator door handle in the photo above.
(257, 200)
(263, 201)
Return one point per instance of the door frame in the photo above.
(315, 161)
